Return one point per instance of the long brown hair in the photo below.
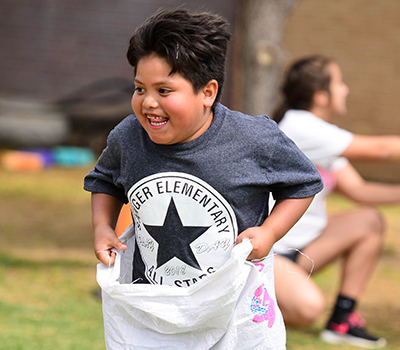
(303, 79)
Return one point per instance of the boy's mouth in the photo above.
(156, 121)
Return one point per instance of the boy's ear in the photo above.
(210, 93)
(321, 98)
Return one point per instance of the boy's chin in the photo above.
(160, 140)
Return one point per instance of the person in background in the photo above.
(314, 94)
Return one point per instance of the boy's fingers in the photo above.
(105, 257)
(240, 238)
(120, 246)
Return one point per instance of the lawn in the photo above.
(47, 269)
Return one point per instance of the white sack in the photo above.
(233, 308)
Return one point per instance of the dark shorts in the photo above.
(291, 255)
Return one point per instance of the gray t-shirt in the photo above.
(189, 201)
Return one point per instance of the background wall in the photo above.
(50, 48)
(72, 54)
(363, 36)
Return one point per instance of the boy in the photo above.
(197, 175)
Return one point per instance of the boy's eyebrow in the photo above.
(137, 81)
(163, 82)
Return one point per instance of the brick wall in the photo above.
(363, 36)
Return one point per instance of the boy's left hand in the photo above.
(260, 238)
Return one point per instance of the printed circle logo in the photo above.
(184, 228)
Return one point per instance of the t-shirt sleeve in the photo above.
(104, 178)
(320, 141)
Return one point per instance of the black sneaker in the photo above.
(351, 331)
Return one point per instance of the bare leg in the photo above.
(356, 235)
(300, 300)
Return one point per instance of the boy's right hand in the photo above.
(106, 239)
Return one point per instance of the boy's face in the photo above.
(167, 106)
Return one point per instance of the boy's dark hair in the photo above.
(194, 44)
(304, 78)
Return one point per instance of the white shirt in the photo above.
(322, 143)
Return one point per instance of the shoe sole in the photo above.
(332, 337)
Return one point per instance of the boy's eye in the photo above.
(164, 91)
(139, 89)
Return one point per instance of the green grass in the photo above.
(47, 266)
(49, 307)
(47, 269)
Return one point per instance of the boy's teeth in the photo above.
(156, 121)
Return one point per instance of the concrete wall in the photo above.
(363, 36)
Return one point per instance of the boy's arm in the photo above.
(285, 213)
(105, 211)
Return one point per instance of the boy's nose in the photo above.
(149, 102)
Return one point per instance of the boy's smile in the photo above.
(167, 106)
